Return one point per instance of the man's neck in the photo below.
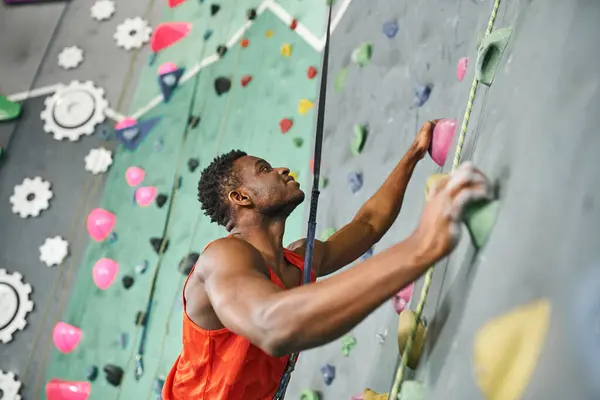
(266, 237)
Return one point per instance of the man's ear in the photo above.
(240, 198)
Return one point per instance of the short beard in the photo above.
(282, 210)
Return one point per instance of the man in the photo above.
(244, 311)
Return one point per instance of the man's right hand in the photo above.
(439, 230)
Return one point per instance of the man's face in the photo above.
(272, 190)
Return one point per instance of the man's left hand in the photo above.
(423, 139)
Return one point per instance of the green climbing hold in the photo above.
(298, 141)
(309, 394)
(362, 54)
(330, 2)
(360, 138)
(323, 182)
(480, 218)
(489, 55)
(326, 234)
(340, 79)
(8, 109)
(412, 390)
(348, 342)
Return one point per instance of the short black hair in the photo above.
(216, 181)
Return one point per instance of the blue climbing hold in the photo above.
(112, 239)
(152, 58)
(142, 267)
(355, 181)
(328, 372)
(367, 254)
(390, 29)
(157, 387)
(123, 340)
(422, 93)
(208, 34)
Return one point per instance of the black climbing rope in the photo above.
(314, 200)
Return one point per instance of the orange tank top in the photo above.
(220, 365)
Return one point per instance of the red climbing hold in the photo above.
(168, 33)
(246, 80)
(461, 68)
(244, 43)
(285, 125)
(312, 72)
(175, 3)
(312, 165)
(293, 24)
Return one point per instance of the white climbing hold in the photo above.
(31, 197)
(98, 160)
(54, 251)
(74, 110)
(9, 386)
(133, 33)
(14, 297)
(103, 9)
(70, 57)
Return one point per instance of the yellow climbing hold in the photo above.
(405, 325)
(368, 394)
(269, 33)
(507, 349)
(432, 182)
(304, 106)
(294, 175)
(286, 50)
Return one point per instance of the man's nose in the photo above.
(283, 171)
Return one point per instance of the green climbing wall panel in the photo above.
(246, 118)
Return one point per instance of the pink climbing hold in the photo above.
(66, 337)
(100, 224)
(401, 299)
(167, 34)
(125, 123)
(144, 196)
(104, 272)
(175, 3)
(357, 397)
(134, 176)
(167, 67)
(461, 68)
(58, 389)
(443, 133)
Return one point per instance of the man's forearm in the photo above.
(316, 314)
(382, 209)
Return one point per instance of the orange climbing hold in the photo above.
(311, 72)
(312, 165)
(244, 42)
(246, 80)
(293, 24)
(285, 125)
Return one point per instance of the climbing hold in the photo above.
(102, 9)
(360, 137)
(131, 132)
(161, 200)
(340, 79)
(298, 141)
(140, 318)
(58, 389)
(31, 197)
(174, 3)
(98, 160)
(269, 33)
(134, 176)
(132, 33)
(412, 390)
(244, 43)
(489, 55)
(214, 9)
(91, 373)
(480, 218)
(390, 29)
(328, 372)
(221, 50)
(362, 54)
(222, 85)
(66, 337)
(367, 254)
(157, 386)
(432, 182)
(100, 224)
(207, 34)
(507, 348)
(311, 72)
(104, 272)
(168, 79)
(123, 340)
(311, 165)
(157, 243)
(54, 251)
(421, 94)
(294, 175)
(70, 57)
(285, 125)
(293, 24)
(127, 281)
(405, 326)
(326, 234)
(114, 374)
(159, 144)
(309, 394)
(443, 133)
(348, 343)
(323, 182)
(193, 164)
(286, 50)
(144, 196)
(251, 14)
(369, 394)
(355, 181)
(187, 263)
(167, 34)
(402, 298)
(382, 336)
(9, 109)
(461, 68)
(179, 182)
(112, 238)
(245, 80)
(304, 106)
(141, 268)
(193, 121)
